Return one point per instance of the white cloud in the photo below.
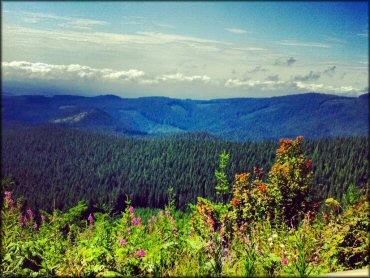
(237, 31)
(181, 77)
(42, 71)
(29, 70)
(64, 21)
(130, 75)
(364, 34)
(82, 24)
(303, 44)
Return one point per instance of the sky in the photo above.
(197, 50)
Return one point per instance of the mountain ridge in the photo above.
(312, 114)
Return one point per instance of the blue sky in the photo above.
(187, 49)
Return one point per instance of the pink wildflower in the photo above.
(134, 221)
(91, 218)
(132, 209)
(8, 198)
(175, 230)
(123, 241)
(141, 253)
(173, 219)
(43, 218)
(285, 261)
(150, 221)
(155, 218)
(161, 213)
(8, 195)
(128, 231)
(25, 220)
(30, 214)
(168, 213)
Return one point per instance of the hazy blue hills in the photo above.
(313, 115)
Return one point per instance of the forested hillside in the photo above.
(51, 164)
(312, 115)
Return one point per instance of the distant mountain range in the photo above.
(312, 115)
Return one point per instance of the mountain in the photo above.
(312, 115)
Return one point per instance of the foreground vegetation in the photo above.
(261, 224)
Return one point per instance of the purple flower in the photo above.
(135, 221)
(173, 219)
(155, 218)
(132, 209)
(30, 214)
(150, 221)
(141, 253)
(168, 213)
(25, 220)
(91, 218)
(285, 261)
(8, 195)
(128, 231)
(175, 230)
(43, 218)
(8, 198)
(123, 241)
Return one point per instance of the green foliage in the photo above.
(217, 239)
(352, 196)
(223, 187)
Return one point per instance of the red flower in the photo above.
(235, 202)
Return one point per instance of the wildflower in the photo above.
(271, 244)
(282, 245)
(175, 230)
(128, 231)
(150, 221)
(123, 241)
(161, 213)
(8, 198)
(134, 221)
(309, 164)
(168, 213)
(132, 209)
(141, 253)
(91, 218)
(30, 214)
(212, 222)
(235, 202)
(285, 261)
(25, 220)
(242, 177)
(262, 187)
(8, 194)
(270, 239)
(155, 218)
(222, 231)
(173, 219)
(274, 236)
